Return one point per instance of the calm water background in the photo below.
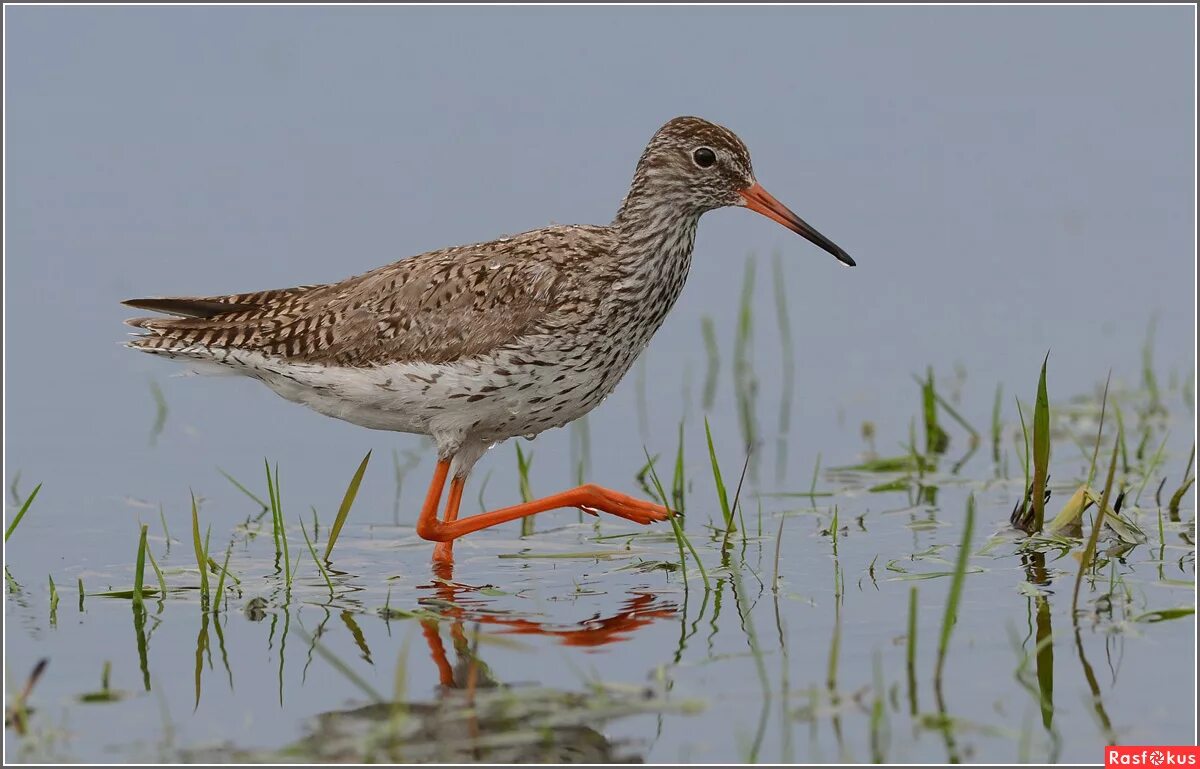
(1010, 180)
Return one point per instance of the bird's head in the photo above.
(696, 165)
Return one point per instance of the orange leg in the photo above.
(443, 552)
(434, 638)
(590, 498)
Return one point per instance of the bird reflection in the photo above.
(461, 604)
(477, 718)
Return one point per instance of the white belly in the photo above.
(486, 399)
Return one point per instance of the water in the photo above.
(972, 262)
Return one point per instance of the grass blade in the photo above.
(201, 555)
(936, 439)
(1090, 550)
(244, 490)
(722, 496)
(221, 579)
(996, 426)
(162, 582)
(21, 513)
(681, 539)
(273, 509)
(1041, 449)
(778, 549)
(745, 383)
(956, 585)
(911, 650)
(712, 353)
(140, 567)
(1188, 480)
(523, 463)
(679, 481)
(313, 551)
(344, 509)
(53, 601)
(1025, 438)
(1099, 430)
(278, 529)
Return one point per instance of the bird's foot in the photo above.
(602, 500)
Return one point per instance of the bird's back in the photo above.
(438, 307)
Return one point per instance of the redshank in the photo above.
(476, 344)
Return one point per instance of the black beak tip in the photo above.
(844, 258)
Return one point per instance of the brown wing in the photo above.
(211, 306)
(436, 307)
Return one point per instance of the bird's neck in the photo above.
(652, 260)
(655, 235)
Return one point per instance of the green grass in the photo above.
(244, 490)
(713, 356)
(158, 573)
(910, 650)
(278, 527)
(679, 479)
(162, 517)
(907, 463)
(936, 439)
(1025, 439)
(1188, 480)
(778, 551)
(523, 464)
(53, 602)
(221, 579)
(139, 570)
(105, 693)
(681, 539)
(745, 382)
(1155, 460)
(201, 553)
(722, 496)
(950, 618)
(312, 550)
(997, 426)
(1121, 432)
(1041, 450)
(1089, 550)
(1099, 431)
(21, 513)
(344, 509)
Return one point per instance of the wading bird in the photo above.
(476, 344)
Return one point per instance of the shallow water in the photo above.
(590, 632)
(984, 236)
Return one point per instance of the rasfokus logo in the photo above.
(1151, 755)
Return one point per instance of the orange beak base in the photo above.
(758, 199)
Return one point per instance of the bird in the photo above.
(472, 345)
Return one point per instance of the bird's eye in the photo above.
(704, 157)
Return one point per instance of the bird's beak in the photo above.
(758, 199)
